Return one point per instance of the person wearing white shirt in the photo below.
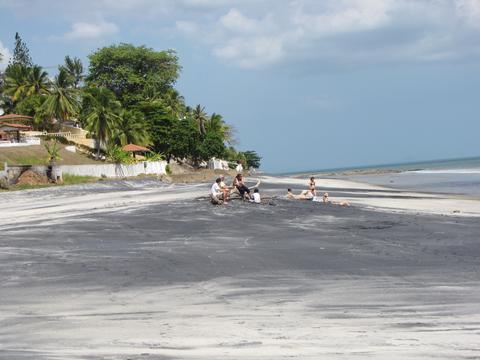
(256, 197)
(216, 192)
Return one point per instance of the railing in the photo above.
(80, 139)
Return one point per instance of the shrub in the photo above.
(115, 154)
(154, 156)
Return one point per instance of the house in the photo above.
(12, 135)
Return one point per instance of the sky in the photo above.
(308, 84)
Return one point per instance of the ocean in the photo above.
(454, 176)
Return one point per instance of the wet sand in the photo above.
(138, 270)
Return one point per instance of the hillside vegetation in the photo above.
(37, 155)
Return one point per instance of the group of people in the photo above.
(220, 192)
(311, 194)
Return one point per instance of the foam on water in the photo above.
(448, 171)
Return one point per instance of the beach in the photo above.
(148, 270)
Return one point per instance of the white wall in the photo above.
(27, 142)
(218, 164)
(116, 170)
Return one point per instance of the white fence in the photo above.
(24, 142)
(116, 170)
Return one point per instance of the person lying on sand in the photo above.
(239, 184)
(304, 195)
(326, 200)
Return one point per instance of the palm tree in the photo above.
(62, 102)
(22, 81)
(100, 108)
(53, 151)
(37, 81)
(131, 129)
(15, 81)
(216, 124)
(74, 69)
(200, 117)
(174, 103)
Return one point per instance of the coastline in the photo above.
(144, 269)
(124, 195)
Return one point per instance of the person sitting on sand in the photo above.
(216, 192)
(256, 197)
(290, 194)
(239, 184)
(225, 188)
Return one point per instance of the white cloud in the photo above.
(469, 10)
(91, 30)
(6, 55)
(358, 15)
(251, 52)
(262, 33)
(340, 31)
(234, 20)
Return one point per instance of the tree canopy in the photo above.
(21, 54)
(132, 72)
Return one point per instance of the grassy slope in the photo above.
(37, 155)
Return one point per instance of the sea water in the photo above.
(458, 176)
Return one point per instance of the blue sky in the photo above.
(308, 84)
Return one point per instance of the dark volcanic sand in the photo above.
(289, 279)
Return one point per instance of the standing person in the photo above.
(311, 186)
(239, 167)
(216, 193)
(241, 187)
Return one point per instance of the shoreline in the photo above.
(124, 195)
(142, 269)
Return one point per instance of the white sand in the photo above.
(49, 204)
(380, 198)
(341, 318)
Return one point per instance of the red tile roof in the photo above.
(14, 117)
(134, 148)
(16, 126)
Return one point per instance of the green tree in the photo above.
(62, 102)
(200, 117)
(132, 71)
(186, 140)
(174, 103)
(131, 129)
(21, 54)
(215, 123)
(15, 81)
(212, 146)
(160, 125)
(29, 105)
(74, 69)
(252, 159)
(22, 81)
(99, 113)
